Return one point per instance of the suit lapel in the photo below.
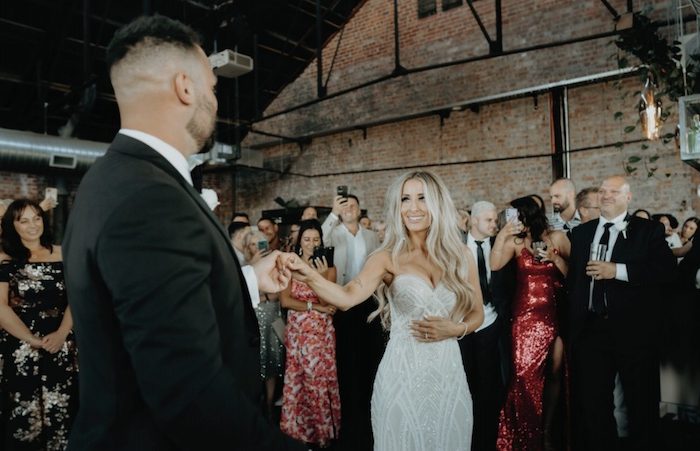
(621, 242)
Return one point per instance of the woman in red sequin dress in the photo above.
(310, 399)
(537, 350)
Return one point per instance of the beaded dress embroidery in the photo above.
(421, 399)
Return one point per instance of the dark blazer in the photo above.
(688, 267)
(167, 336)
(633, 306)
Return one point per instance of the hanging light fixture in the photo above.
(650, 110)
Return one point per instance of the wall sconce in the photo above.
(650, 111)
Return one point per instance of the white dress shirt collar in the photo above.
(171, 154)
(616, 220)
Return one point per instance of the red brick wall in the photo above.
(14, 185)
(465, 152)
(465, 148)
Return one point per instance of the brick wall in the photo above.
(498, 153)
(15, 185)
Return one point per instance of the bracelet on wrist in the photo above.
(466, 329)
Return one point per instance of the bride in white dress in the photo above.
(428, 290)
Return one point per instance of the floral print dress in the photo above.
(310, 399)
(38, 390)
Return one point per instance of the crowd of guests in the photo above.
(521, 365)
(555, 363)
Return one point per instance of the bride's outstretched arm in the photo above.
(355, 292)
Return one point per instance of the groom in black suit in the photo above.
(169, 342)
(614, 314)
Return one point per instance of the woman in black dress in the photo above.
(39, 379)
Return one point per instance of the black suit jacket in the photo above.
(634, 306)
(167, 337)
(688, 268)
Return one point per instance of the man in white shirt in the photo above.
(359, 345)
(352, 243)
(480, 350)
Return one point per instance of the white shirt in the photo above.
(620, 268)
(179, 162)
(490, 314)
(356, 251)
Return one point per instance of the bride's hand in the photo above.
(435, 328)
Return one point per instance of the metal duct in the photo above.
(27, 151)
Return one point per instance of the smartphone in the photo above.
(324, 252)
(342, 191)
(52, 193)
(511, 214)
(263, 245)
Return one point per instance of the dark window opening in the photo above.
(449, 4)
(427, 8)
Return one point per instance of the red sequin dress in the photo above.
(534, 328)
(310, 398)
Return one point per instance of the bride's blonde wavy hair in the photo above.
(444, 244)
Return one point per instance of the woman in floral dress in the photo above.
(38, 387)
(310, 400)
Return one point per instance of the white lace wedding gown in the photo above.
(420, 401)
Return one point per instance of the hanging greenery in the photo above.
(658, 60)
(658, 57)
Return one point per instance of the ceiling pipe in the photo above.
(32, 152)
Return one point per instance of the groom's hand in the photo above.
(272, 273)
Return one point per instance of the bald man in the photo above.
(614, 320)
(168, 339)
(565, 216)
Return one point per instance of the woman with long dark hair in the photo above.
(537, 350)
(311, 398)
(40, 373)
(689, 229)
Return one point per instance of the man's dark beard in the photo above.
(205, 145)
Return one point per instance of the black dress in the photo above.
(39, 390)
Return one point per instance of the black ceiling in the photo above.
(49, 75)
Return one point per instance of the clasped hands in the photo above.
(51, 343)
(274, 271)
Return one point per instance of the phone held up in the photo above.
(342, 191)
(52, 193)
(263, 246)
(323, 252)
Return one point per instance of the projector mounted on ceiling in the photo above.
(230, 64)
